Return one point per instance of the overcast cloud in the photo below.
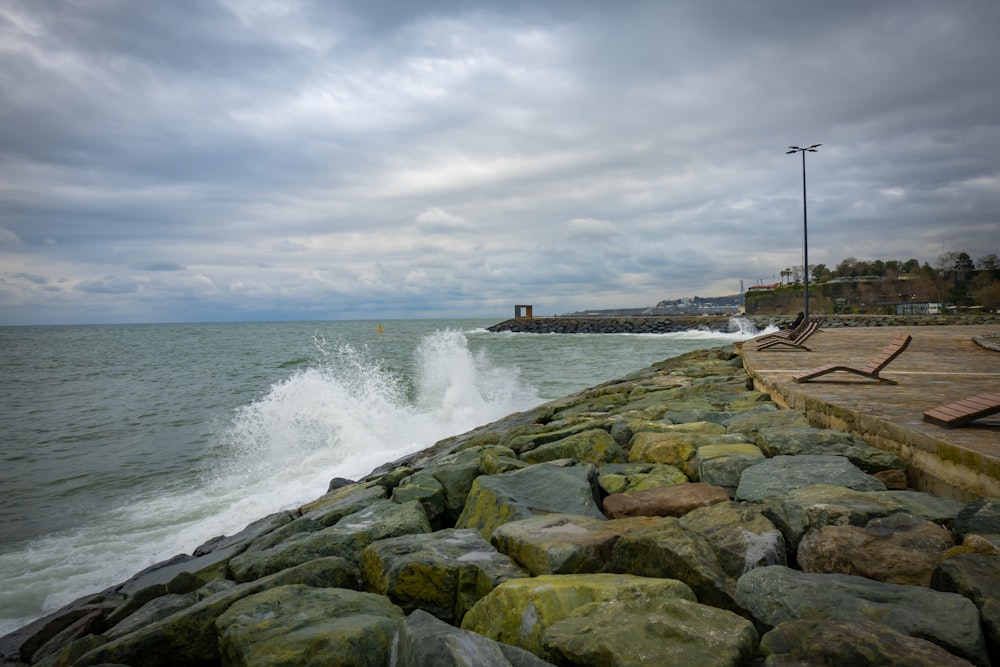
(200, 160)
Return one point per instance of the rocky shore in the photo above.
(673, 324)
(672, 516)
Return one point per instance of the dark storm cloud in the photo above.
(269, 158)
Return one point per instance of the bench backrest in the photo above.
(892, 350)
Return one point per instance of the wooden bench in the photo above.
(882, 359)
(964, 411)
(797, 341)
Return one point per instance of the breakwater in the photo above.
(674, 514)
(724, 323)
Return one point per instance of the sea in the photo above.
(123, 445)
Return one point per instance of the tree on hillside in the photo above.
(910, 265)
(963, 262)
(990, 262)
(820, 273)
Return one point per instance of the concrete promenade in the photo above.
(942, 364)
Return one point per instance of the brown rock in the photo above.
(898, 549)
(668, 501)
(894, 480)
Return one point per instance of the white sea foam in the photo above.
(339, 418)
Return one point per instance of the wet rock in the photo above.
(543, 488)
(940, 510)
(977, 577)
(346, 539)
(665, 501)
(722, 465)
(651, 632)
(980, 517)
(777, 594)
(677, 448)
(595, 446)
(898, 549)
(630, 477)
(669, 550)
(424, 641)
(825, 442)
(781, 474)
(303, 625)
(857, 643)
(563, 544)
(519, 611)
(741, 536)
(443, 573)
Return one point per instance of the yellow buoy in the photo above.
(379, 328)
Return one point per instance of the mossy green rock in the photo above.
(426, 490)
(807, 440)
(563, 544)
(382, 519)
(651, 632)
(443, 573)
(300, 625)
(595, 446)
(496, 499)
(629, 477)
(666, 549)
(676, 447)
(741, 536)
(519, 611)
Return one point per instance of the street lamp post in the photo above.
(805, 220)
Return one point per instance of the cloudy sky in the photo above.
(210, 160)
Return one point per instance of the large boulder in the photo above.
(189, 636)
(801, 440)
(668, 550)
(562, 543)
(781, 474)
(444, 573)
(334, 505)
(424, 641)
(898, 549)
(651, 632)
(976, 577)
(301, 625)
(939, 509)
(740, 534)
(347, 538)
(857, 643)
(595, 446)
(542, 488)
(980, 517)
(777, 594)
(519, 611)
(665, 501)
(752, 423)
(810, 507)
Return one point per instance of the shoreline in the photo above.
(660, 324)
(602, 484)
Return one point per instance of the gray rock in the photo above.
(938, 509)
(542, 488)
(595, 446)
(668, 550)
(781, 474)
(980, 517)
(741, 536)
(628, 477)
(777, 594)
(443, 573)
(346, 539)
(638, 633)
(857, 643)
(722, 465)
(819, 505)
(976, 577)
(796, 441)
(424, 641)
(301, 625)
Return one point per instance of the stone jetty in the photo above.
(672, 516)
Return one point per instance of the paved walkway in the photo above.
(942, 364)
